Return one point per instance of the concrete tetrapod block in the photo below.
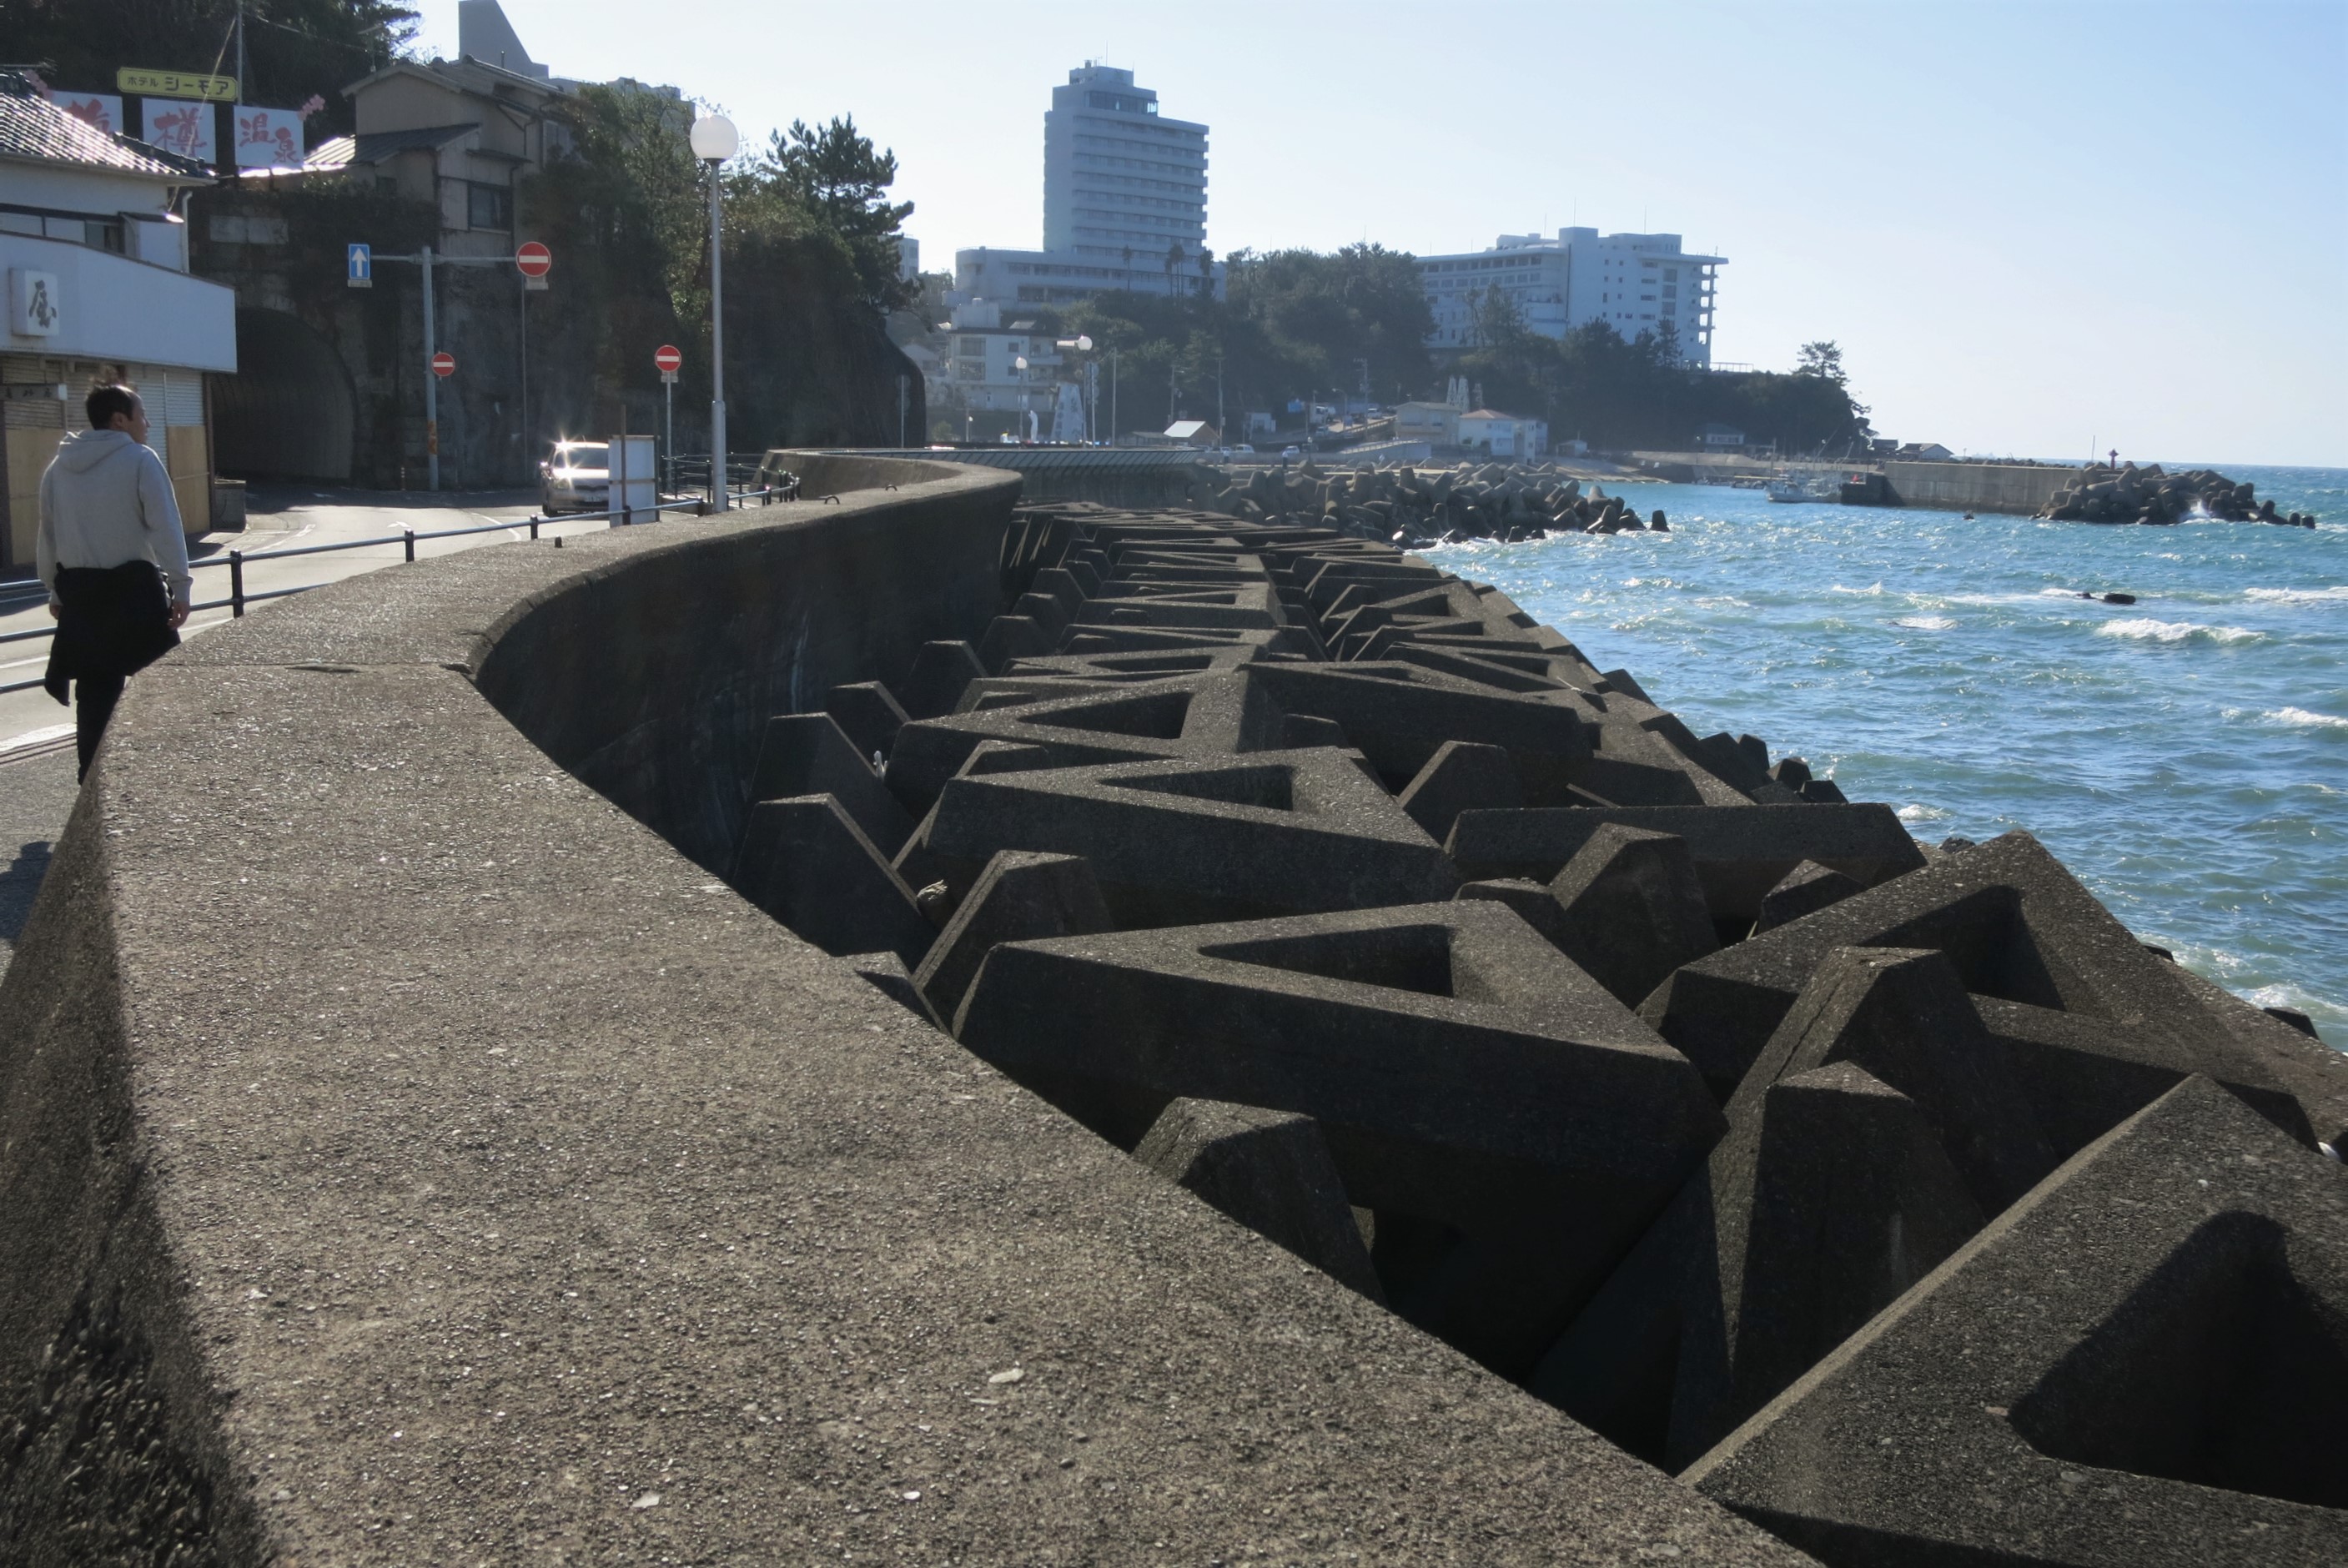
(810, 754)
(939, 672)
(869, 714)
(886, 973)
(2141, 1364)
(1828, 1199)
(806, 864)
(1806, 889)
(1400, 716)
(1460, 774)
(1510, 1124)
(2018, 928)
(1021, 896)
(1903, 1014)
(1813, 1214)
(1010, 638)
(1632, 909)
(1270, 1171)
(1741, 851)
(1175, 843)
(1086, 727)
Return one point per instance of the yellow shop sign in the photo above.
(175, 83)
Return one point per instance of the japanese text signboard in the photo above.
(175, 83)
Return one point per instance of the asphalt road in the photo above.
(279, 518)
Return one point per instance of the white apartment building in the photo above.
(1633, 282)
(1125, 202)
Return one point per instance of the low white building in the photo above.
(1633, 282)
(1499, 434)
(1437, 424)
(989, 369)
(1067, 278)
(93, 243)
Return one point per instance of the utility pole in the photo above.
(901, 412)
(1112, 397)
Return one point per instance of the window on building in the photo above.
(488, 206)
(74, 228)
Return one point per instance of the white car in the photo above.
(1290, 454)
(577, 477)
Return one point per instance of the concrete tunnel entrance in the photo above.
(289, 412)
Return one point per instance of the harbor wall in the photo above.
(2022, 488)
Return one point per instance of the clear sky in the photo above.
(2031, 226)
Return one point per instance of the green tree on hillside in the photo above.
(838, 184)
(1822, 360)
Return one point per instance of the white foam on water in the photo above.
(1874, 591)
(1925, 623)
(2145, 629)
(2305, 718)
(2297, 595)
(1916, 812)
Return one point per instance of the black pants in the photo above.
(94, 700)
(112, 623)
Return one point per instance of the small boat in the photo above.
(1790, 486)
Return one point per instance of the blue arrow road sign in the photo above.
(362, 265)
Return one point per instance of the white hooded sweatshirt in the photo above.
(105, 500)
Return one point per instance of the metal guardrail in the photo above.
(237, 560)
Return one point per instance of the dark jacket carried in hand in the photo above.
(111, 620)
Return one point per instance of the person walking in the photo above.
(111, 553)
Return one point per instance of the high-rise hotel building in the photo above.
(1125, 202)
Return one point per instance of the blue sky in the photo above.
(2030, 226)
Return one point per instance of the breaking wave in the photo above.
(2145, 629)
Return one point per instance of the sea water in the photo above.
(2185, 755)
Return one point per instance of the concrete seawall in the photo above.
(407, 1155)
(2020, 488)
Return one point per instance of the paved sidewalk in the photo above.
(279, 518)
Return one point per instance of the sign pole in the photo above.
(668, 362)
(528, 446)
(431, 386)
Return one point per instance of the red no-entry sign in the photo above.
(667, 360)
(534, 260)
(443, 364)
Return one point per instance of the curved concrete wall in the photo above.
(406, 1155)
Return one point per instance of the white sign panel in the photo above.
(267, 137)
(179, 126)
(33, 309)
(102, 112)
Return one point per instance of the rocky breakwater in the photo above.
(1894, 1196)
(1418, 506)
(2149, 495)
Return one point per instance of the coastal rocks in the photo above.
(1416, 507)
(1636, 1065)
(2148, 495)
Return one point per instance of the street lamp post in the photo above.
(714, 141)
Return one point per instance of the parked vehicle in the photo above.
(576, 476)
